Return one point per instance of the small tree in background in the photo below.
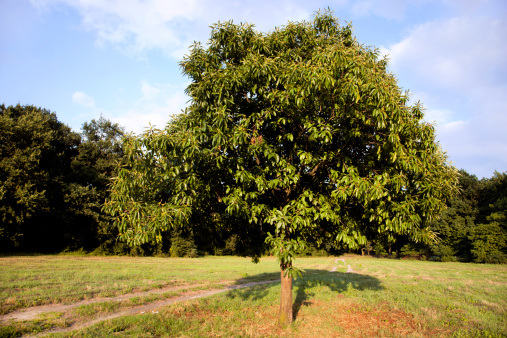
(99, 154)
(367, 247)
(301, 134)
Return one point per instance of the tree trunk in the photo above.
(362, 251)
(389, 250)
(285, 317)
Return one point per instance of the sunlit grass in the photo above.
(39, 280)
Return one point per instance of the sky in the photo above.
(120, 59)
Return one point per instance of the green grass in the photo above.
(40, 280)
(390, 298)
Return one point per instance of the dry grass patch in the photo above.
(347, 318)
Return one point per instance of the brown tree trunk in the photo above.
(362, 251)
(389, 250)
(285, 317)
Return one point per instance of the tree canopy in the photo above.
(300, 135)
(36, 151)
(53, 182)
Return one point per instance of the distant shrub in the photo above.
(410, 249)
(182, 246)
(78, 252)
(379, 249)
(230, 246)
(413, 251)
(444, 253)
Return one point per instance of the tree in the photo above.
(489, 237)
(302, 133)
(473, 227)
(458, 220)
(99, 154)
(36, 152)
(54, 181)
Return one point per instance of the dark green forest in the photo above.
(54, 181)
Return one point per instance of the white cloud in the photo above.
(83, 99)
(459, 53)
(437, 116)
(387, 9)
(153, 106)
(458, 68)
(149, 91)
(171, 26)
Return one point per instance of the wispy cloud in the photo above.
(460, 53)
(460, 66)
(136, 26)
(149, 91)
(386, 9)
(83, 99)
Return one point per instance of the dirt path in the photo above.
(150, 309)
(33, 312)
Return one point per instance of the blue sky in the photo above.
(119, 58)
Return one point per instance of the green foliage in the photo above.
(488, 241)
(100, 153)
(456, 222)
(300, 132)
(473, 228)
(231, 245)
(379, 249)
(53, 182)
(411, 249)
(36, 195)
(367, 247)
(444, 252)
(285, 250)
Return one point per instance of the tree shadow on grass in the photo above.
(338, 282)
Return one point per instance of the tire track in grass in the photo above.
(32, 312)
(349, 269)
(145, 309)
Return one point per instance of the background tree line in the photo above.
(472, 229)
(54, 181)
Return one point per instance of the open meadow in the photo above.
(348, 296)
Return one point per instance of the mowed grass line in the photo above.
(382, 298)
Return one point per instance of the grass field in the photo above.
(380, 297)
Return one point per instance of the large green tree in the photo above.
(54, 181)
(301, 133)
(36, 151)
